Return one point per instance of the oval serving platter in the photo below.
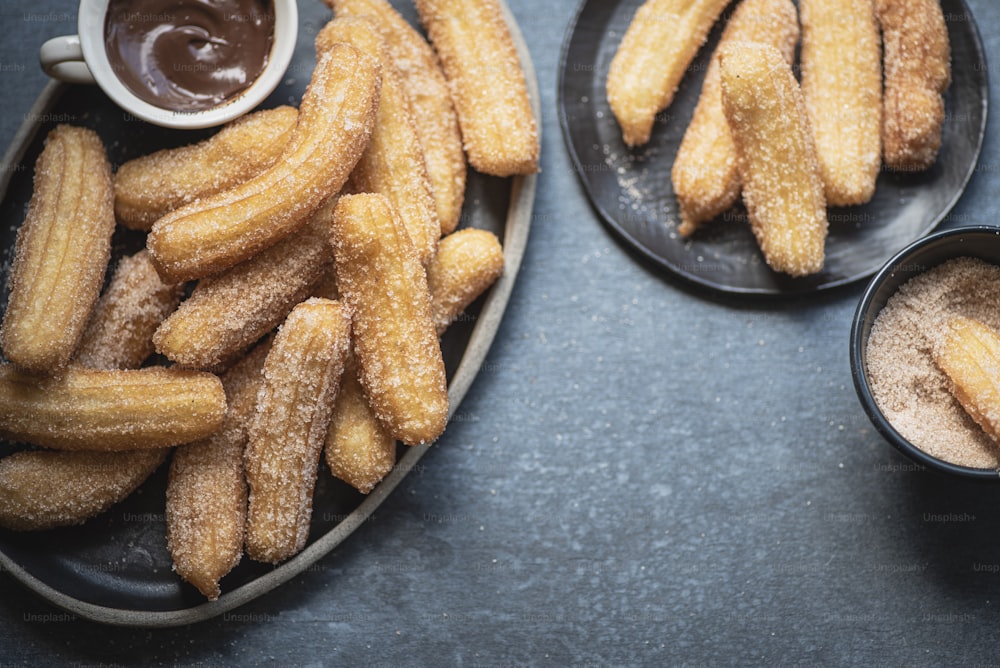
(115, 569)
(631, 189)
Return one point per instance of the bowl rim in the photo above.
(858, 354)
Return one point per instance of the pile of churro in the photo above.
(873, 74)
(300, 266)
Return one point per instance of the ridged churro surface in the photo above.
(43, 489)
(61, 253)
(206, 502)
(842, 89)
(782, 189)
(917, 64)
(969, 355)
(335, 121)
(119, 334)
(487, 84)
(91, 409)
(661, 41)
(228, 313)
(393, 162)
(434, 116)
(399, 357)
(467, 263)
(301, 375)
(153, 185)
(705, 173)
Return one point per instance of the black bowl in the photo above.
(982, 242)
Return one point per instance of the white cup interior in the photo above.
(91, 29)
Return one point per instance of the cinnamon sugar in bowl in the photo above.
(901, 316)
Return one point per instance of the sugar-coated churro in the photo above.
(119, 334)
(781, 185)
(43, 489)
(705, 173)
(335, 121)
(488, 86)
(91, 409)
(917, 64)
(207, 491)
(393, 162)
(399, 358)
(434, 114)
(301, 376)
(61, 253)
(227, 313)
(153, 185)
(969, 355)
(467, 262)
(358, 449)
(661, 41)
(842, 89)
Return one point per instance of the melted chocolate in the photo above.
(188, 55)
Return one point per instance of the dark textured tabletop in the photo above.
(642, 474)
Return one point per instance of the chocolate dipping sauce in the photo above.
(188, 55)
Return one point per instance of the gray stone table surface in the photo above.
(643, 475)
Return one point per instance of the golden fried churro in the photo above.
(301, 376)
(207, 491)
(467, 262)
(705, 174)
(358, 449)
(151, 186)
(917, 65)
(399, 357)
(781, 185)
(91, 409)
(335, 120)
(61, 253)
(42, 489)
(434, 114)
(661, 41)
(393, 162)
(969, 355)
(842, 89)
(119, 334)
(487, 84)
(227, 313)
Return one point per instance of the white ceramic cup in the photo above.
(82, 59)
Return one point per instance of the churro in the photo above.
(705, 173)
(399, 358)
(119, 334)
(149, 187)
(61, 252)
(335, 120)
(434, 116)
(358, 449)
(393, 162)
(229, 312)
(467, 262)
(842, 89)
(488, 86)
(91, 409)
(777, 161)
(969, 355)
(661, 41)
(301, 376)
(43, 489)
(207, 491)
(917, 64)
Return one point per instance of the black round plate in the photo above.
(631, 188)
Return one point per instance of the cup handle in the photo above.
(62, 58)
